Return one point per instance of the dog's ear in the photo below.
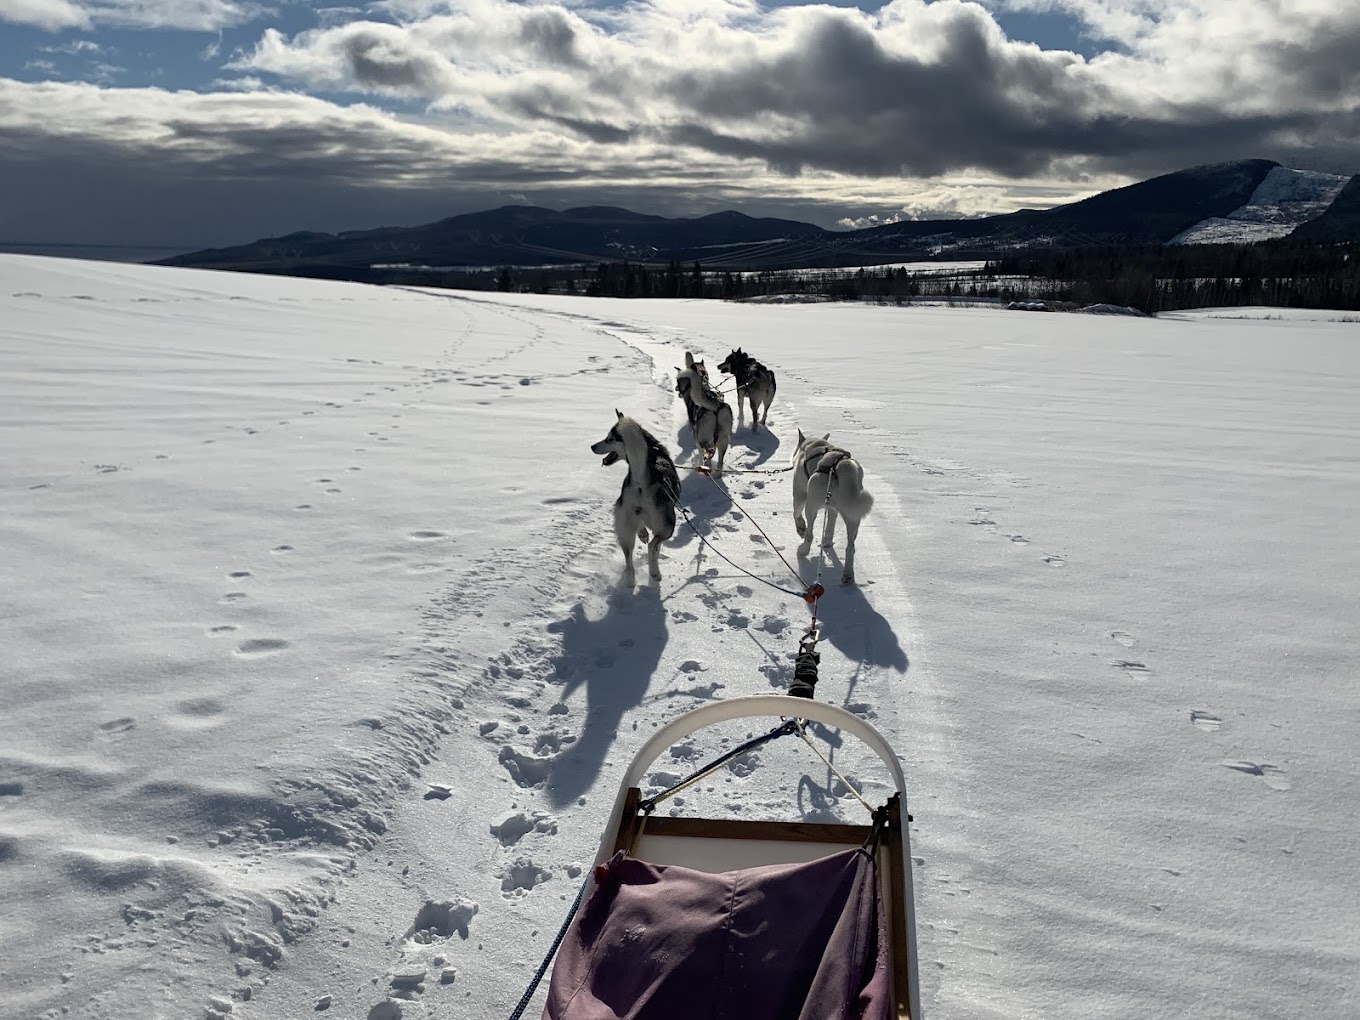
(619, 413)
(801, 438)
(689, 360)
(826, 437)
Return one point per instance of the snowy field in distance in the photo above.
(317, 677)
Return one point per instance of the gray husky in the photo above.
(819, 469)
(754, 381)
(710, 417)
(650, 490)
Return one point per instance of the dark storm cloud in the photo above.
(848, 105)
(683, 107)
(914, 90)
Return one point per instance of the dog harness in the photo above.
(827, 461)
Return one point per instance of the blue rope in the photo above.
(552, 951)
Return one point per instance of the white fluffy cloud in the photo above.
(192, 15)
(49, 14)
(939, 201)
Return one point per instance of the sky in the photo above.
(313, 615)
(195, 122)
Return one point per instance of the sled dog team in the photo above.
(823, 474)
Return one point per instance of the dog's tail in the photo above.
(851, 494)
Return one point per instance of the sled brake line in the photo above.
(805, 595)
(807, 657)
(552, 951)
(704, 469)
(809, 594)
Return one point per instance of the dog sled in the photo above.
(724, 917)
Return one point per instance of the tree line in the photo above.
(1151, 278)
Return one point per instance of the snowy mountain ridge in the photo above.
(1281, 202)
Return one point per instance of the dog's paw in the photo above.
(847, 579)
(805, 548)
(799, 526)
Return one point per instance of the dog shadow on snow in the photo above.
(851, 624)
(613, 658)
(684, 439)
(765, 444)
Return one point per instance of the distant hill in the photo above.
(1341, 220)
(1155, 211)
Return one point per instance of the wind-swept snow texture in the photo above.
(317, 676)
(1283, 200)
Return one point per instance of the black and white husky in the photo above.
(754, 381)
(710, 417)
(820, 468)
(651, 487)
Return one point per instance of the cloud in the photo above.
(189, 15)
(913, 89)
(154, 166)
(47, 14)
(75, 47)
(687, 106)
(946, 202)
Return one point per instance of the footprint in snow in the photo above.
(1203, 720)
(258, 648)
(1121, 637)
(1274, 776)
(1130, 666)
(522, 876)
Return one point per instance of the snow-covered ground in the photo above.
(1283, 200)
(317, 677)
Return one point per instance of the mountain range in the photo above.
(1238, 202)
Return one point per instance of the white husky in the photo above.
(826, 475)
(710, 417)
(650, 490)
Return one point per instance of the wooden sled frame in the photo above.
(716, 845)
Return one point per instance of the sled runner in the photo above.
(757, 920)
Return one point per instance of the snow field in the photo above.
(1106, 614)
